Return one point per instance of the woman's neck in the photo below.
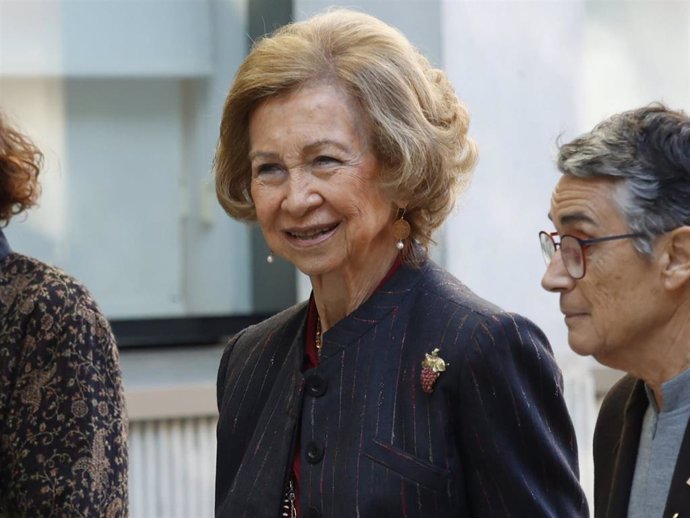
(339, 293)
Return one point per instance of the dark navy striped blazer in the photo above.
(494, 439)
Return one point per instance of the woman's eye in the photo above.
(268, 169)
(324, 160)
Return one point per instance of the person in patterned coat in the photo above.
(63, 425)
(394, 391)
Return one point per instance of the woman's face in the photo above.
(314, 183)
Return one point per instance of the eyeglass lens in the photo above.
(548, 247)
(571, 253)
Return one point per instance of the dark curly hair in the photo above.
(20, 163)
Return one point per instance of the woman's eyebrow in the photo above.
(325, 142)
(262, 154)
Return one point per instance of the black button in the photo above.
(316, 385)
(314, 452)
(313, 512)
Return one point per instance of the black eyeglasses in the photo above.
(572, 250)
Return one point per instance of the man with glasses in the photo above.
(620, 262)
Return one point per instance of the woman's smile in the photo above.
(303, 237)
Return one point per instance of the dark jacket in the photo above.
(616, 440)
(493, 439)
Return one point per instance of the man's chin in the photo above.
(579, 346)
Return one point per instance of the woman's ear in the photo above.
(676, 258)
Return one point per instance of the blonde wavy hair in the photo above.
(417, 126)
(20, 164)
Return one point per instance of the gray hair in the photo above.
(648, 150)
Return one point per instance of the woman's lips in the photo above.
(310, 236)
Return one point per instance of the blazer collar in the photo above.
(382, 302)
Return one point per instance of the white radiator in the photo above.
(172, 467)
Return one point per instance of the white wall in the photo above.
(87, 38)
(517, 82)
(531, 72)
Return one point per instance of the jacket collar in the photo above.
(626, 454)
(382, 302)
(626, 458)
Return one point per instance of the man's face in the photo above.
(616, 309)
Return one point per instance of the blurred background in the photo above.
(125, 96)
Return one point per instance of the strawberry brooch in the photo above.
(432, 367)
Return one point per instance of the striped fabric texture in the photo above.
(493, 438)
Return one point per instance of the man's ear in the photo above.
(676, 258)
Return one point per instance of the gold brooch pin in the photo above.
(432, 367)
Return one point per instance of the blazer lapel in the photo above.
(255, 493)
(626, 452)
(678, 502)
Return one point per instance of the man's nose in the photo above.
(556, 278)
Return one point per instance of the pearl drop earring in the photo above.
(401, 229)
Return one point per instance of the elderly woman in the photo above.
(394, 391)
(63, 448)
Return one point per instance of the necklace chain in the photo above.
(289, 509)
(317, 337)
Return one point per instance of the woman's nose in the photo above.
(556, 278)
(301, 195)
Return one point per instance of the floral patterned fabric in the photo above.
(63, 447)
